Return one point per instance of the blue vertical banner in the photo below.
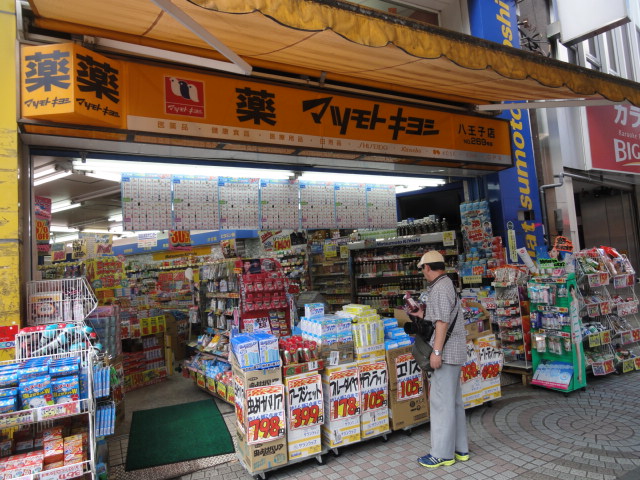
(515, 203)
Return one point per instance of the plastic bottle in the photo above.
(444, 224)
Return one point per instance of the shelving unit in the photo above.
(383, 270)
(557, 343)
(295, 265)
(329, 271)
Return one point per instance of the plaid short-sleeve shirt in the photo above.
(442, 304)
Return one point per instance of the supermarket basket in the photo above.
(59, 301)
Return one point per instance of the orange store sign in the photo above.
(67, 83)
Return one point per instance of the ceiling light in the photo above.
(37, 173)
(115, 218)
(65, 238)
(95, 230)
(62, 229)
(61, 208)
(52, 176)
(109, 176)
(371, 179)
(116, 166)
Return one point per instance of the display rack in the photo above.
(70, 299)
(40, 344)
(329, 272)
(383, 270)
(557, 346)
(295, 265)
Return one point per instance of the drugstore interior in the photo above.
(226, 313)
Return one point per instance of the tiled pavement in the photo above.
(529, 433)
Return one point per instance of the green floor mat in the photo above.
(188, 431)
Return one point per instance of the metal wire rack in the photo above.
(68, 300)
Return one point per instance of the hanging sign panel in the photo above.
(70, 84)
(243, 110)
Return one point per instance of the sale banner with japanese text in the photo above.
(374, 390)
(304, 401)
(238, 394)
(344, 394)
(490, 360)
(42, 236)
(79, 249)
(42, 206)
(58, 252)
(265, 413)
(470, 379)
(103, 244)
(409, 375)
(179, 240)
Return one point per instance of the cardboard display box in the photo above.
(374, 422)
(391, 356)
(304, 442)
(338, 433)
(263, 456)
(408, 412)
(258, 378)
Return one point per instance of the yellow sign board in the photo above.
(68, 83)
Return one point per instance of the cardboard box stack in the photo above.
(408, 405)
(332, 334)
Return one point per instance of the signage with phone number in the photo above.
(265, 413)
(373, 386)
(410, 383)
(344, 394)
(306, 407)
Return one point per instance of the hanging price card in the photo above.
(410, 384)
(238, 394)
(626, 337)
(305, 403)
(265, 413)
(344, 394)
(15, 419)
(605, 337)
(636, 334)
(449, 238)
(628, 365)
(594, 340)
(58, 410)
(62, 473)
(637, 362)
(373, 386)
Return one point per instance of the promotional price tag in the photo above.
(373, 386)
(265, 413)
(58, 410)
(636, 334)
(449, 238)
(62, 473)
(605, 337)
(594, 340)
(15, 419)
(626, 337)
(637, 362)
(628, 365)
(305, 403)
(344, 394)
(410, 384)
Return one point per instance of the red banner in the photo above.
(614, 137)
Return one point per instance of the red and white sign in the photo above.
(305, 401)
(265, 413)
(374, 386)
(614, 137)
(410, 384)
(184, 97)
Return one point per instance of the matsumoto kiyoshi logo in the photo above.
(184, 97)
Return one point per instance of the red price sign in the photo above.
(265, 413)
(344, 393)
(637, 362)
(469, 372)
(42, 230)
(304, 397)
(410, 384)
(490, 371)
(179, 240)
(373, 385)
(344, 407)
(636, 334)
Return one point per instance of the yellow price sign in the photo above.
(449, 238)
(594, 340)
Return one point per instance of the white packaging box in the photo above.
(374, 422)
(338, 433)
(304, 442)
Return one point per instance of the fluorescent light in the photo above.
(61, 208)
(115, 218)
(111, 177)
(66, 238)
(374, 179)
(52, 176)
(116, 166)
(44, 171)
(95, 230)
(62, 229)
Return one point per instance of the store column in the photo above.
(9, 223)
(513, 193)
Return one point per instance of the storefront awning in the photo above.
(342, 42)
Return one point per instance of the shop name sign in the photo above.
(68, 83)
(243, 110)
(614, 138)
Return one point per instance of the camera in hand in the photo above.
(418, 326)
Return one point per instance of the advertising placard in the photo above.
(374, 386)
(409, 375)
(265, 413)
(344, 394)
(304, 401)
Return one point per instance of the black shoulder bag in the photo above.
(422, 350)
